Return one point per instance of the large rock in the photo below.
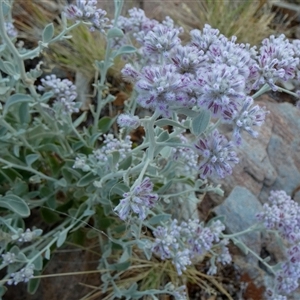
(240, 209)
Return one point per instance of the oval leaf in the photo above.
(15, 99)
(15, 204)
(200, 123)
(159, 218)
(85, 180)
(31, 158)
(33, 285)
(115, 32)
(127, 49)
(62, 238)
(48, 33)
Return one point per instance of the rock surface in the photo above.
(240, 208)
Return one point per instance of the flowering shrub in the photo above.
(192, 88)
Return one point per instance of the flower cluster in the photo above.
(10, 29)
(138, 201)
(111, 145)
(179, 293)
(218, 155)
(220, 88)
(160, 88)
(27, 236)
(21, 276)
(87, 11)
(185, 242)
(81, 163)
(64, 91)
(8, 258)
(283, 216)
(247, 117)
(130, 121)
(276, 61)
(211, 72)
(107, 157)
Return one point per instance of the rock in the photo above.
(240, 209)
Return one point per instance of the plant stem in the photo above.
(29, 169)
(264, 89)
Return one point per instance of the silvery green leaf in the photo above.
(62, 182)
(48, 33)
(33, 284)
(168, 122)
(9, 67)
(80, 119)
(120, 266)
(126, 163)
(31, 158)
(16, 150)
(4, 89)
(119, 189)
(5, 7)
(16, 99)
(24, 114)
(15, 204)
(46, 96)
(188, 112)
(38, 262)
(100, 66)
(86, 180)
(165, 187)
(61, 238)
(241, 246)
(127, 49)
(114, 32)
(163, 136)
(3, 290)
(159, 218)
(200, 123)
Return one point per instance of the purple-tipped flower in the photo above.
(246, 118)
(160, 40)
(161, 87)
(276, 61)
(87, 11)
(64, 91)
(188, 59)
(138, 201)
(129, 73)
(203, 40)
(135, 21)
(130, 121)
(220, 88)
(218, 155)
(283, 215)
(224, 51)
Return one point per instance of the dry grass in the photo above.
(71, 55)
(251, 21)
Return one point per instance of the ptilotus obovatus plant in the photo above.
(53, 162)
